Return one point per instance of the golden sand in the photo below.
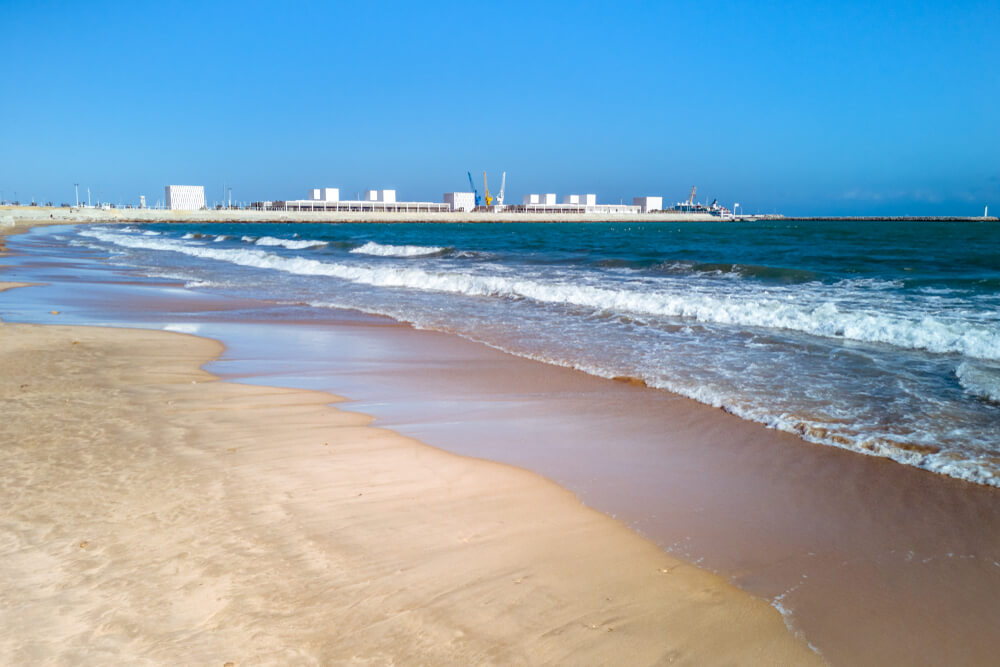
(155, 514)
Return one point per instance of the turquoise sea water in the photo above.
(883, 338)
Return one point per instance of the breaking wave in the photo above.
(823, 317)
(980, 380)
(291, 244)
(380, 250)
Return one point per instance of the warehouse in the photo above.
(328, 199)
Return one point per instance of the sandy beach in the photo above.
(155, 514)
(869, 561)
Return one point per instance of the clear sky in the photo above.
(797, 107)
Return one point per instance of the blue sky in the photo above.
(796, 107)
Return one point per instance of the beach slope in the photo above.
(154, 513)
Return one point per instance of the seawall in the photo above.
(78, 215)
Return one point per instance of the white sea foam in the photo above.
(150, 232)
(220, 237)
(778, 310)
(287, 243)
(980, 380)
(974, 469)
(380, 250)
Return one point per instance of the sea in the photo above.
(880, 338)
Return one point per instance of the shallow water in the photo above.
(879, 338)
(872, 562)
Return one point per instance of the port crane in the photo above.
(475, 192)
(490, 200)
(694, 189)
(486, 187)
(503, 186)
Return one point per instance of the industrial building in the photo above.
(384, 200)
(328, 199)
(460, 201)
(586, 203)
(648, 204)
(185, 197)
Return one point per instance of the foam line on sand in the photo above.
(153, 513)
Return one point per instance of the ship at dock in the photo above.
(690, 206)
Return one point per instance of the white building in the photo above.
(324, 194)
(647, 204)
(372, 201)
(460, 201)
(185, 197)
(586, 204)
(384, 196)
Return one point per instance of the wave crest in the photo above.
(291, 244)
(381, 250)
(822, 317)
(980, 380)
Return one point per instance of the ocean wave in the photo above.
(291, 244)
(920, 453)
(380, 250)
(980, 380)
(815, 315)
(219, 238)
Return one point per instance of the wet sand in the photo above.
(878, 563)
(154, 513)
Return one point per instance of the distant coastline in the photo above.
(10, 215)
(894, 218)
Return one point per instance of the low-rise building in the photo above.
(648, 204)
(585, 203)
(373, 201)
(324, 194)
(460, 201)
(185, 197)
(385, 196)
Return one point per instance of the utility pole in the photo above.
(230, 204)
(76, 186)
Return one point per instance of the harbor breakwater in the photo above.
(70, 215)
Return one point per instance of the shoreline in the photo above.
(82, 215)
(671, 609)
(761, 501)
(154, 476)
(73, 215)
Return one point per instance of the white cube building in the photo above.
(549, 199)
(460, 201)
(324, 194)
(185, 197)
(385, 196)
(647, 204)
(571, 199)
(531, 199)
